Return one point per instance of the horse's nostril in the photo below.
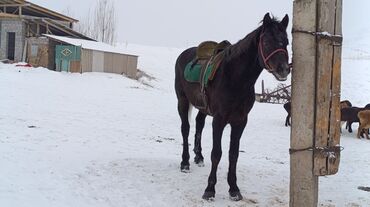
(284, 68)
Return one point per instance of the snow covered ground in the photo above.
(105, 140)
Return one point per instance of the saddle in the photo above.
(203, 68)
(206, 62)
(207, 49)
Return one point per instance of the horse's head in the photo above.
(272, 47)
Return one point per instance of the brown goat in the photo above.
(364, 117)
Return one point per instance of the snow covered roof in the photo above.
(88, 44)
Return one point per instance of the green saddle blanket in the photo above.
(192, 73)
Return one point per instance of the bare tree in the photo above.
(100, 23)
(86, 25)
(105, 21)
(68, 11)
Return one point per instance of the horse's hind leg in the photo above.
(200, 119)
(183, 108)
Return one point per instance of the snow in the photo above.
(99, 139)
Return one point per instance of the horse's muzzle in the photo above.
(282, 72)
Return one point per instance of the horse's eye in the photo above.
(281, 44)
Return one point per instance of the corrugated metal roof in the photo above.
(89, 45)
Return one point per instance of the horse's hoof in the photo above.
(185, 168)
(200, 164)
(236, 196)
(199, 161)
(209, 196)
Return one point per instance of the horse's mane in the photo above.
(241, 47)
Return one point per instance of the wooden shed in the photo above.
(79, 55)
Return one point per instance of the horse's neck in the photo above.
(244, 65)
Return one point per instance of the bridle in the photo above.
(266, 59)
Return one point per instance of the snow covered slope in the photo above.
(105, 140)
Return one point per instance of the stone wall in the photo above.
(17, 26)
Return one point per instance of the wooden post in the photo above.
(303, 183)
(315, 97)
(37, 29)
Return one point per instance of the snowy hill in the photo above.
(105, 140)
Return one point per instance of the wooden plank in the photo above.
(37, 29)
(334, 140)
(98, 61)
(303, 183)
(75, 66)
(323, 100)
(86, 61)
(125, 64)
(14, 5)
(327, 98)
(122, 66)
(132, 66)
(326, 23)
(43, 56)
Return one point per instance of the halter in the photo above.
(266, 59)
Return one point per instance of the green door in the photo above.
(64, 55)
(65, 66)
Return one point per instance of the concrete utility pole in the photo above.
(315, 150)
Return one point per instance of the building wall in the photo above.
(18, 27)
(38, 52)
(98, 61)
(86, 60)
(132, 66)
(120, 64)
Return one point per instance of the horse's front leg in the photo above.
(218, 126)
(200, 119)
(349, 126)
(287, 121)
(236, 133)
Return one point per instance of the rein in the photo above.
(266, 59)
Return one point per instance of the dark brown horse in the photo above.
(230, 94)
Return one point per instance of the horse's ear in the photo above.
(267, 19)
(285, 21)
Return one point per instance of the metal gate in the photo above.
(67, 58)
